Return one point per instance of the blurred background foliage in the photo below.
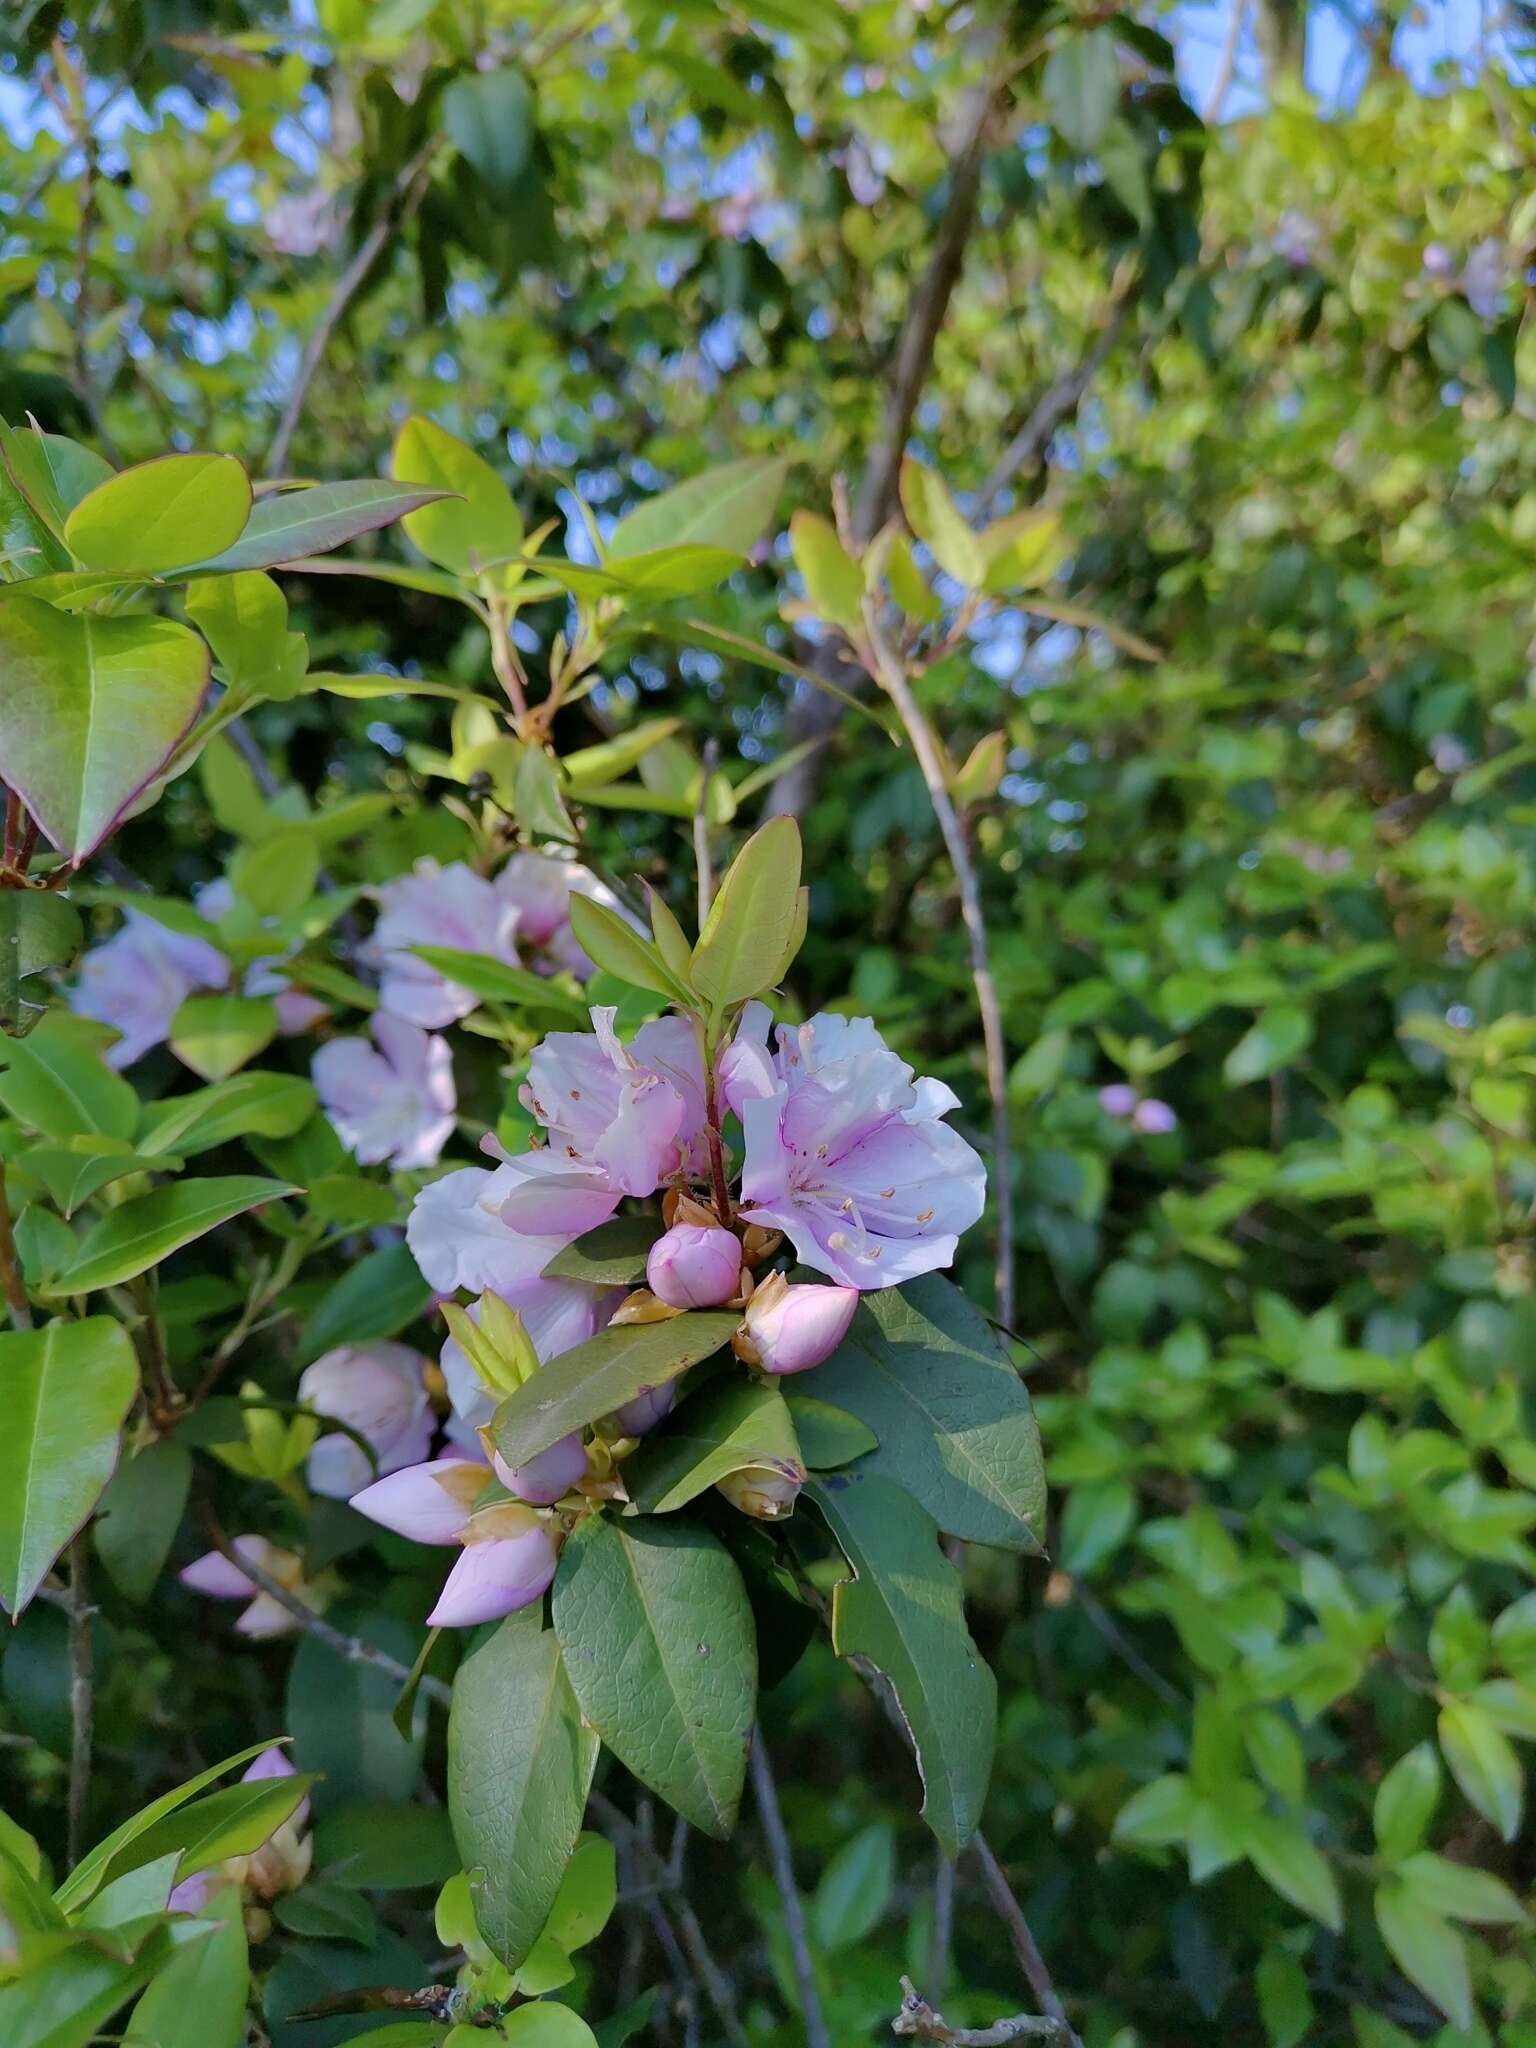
(1273, 375)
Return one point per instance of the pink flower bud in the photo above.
(549, 1475)
(429, 1503)
(766, 1492)
(1154, 1119)
(652, 1405)
(1118, 1099)
(194, 1892)
(792, 1328)
(496, 1578)
(695, 1265)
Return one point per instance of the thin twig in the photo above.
(1057, 403)
(1226, 64)
(352, 1648)
(409, 190)
(80, 1698)
(941, 1935)
(892, 678)
(12, 1285)
(918, 2019)
(1031, 1962)
(816, 2035)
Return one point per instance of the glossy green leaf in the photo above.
(68, 1386)
(613, 1255)
(139, 1514)
(244, 1106)
(497, 982)
(658, 1640)
(161, 514)
(727, 507)
(753, 917)
(286, 525)
(594, 1378)
(216, 1035)
(244, 618)
(903, 1610)
(922, 1370)
(92, 710)
(1484, 1764)
(59, 1084)
(480, 523)
(618, 947)
(142, 1232)
(520, 1762)
(198, 1999)
(74, 1172)
(1427, 1949)
(39, 933)
(737, 1425)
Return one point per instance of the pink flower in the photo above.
(792, 1328)
(1154, 1119)
(377, 1390)
(437, 906)
(139, 979)
(539, 886)
(1118, 1099)
(509, 1551)
(394, 1104)
(694, 1265)
(557, 1314)
(220, 1578)
(620, 1119)
(846, 1153)
(547, 1476)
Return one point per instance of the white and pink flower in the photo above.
(218, 1577)
(378, 1391)
(508, 1550)
(451, 907)
(392, 1100)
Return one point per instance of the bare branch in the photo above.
(942, 1933)
(1031, 1962)
(1226, 63)
(81, 1697)
(816, 2035)
(921, 2022)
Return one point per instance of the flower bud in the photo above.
(547, 1476)
(1154, 1119)
(766, 1492)
(694, 1266)
(1118, 1099)
(376, 1390)
(650, 1406)
(496, 1578)
(792, 1328)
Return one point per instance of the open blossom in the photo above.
(619, 1119)
(280, 1865)
(376, 1389)
(846, 1153)
(393, 1100)
(218, 1577)
(508, 1553)
(139, 979)
(437, 906)
(539, 886)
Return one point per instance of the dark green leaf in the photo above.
(142, 1232)
(139, 1515)
(596, 1377)
(827, 1436)
(377, 1297)
(737, 1425)
(489, 116)
(288, 524)
(38, 932)
(610, 1256)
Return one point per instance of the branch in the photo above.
(352, 1648)
(409, 190)
(920, 2020)
(941, 1934)
(1226, 64)
(81, 1699)
(892, 678)
(1031, 1962)
(816, 2035)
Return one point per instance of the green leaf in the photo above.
(160, 514)
(1460, 1892)
(618, 947)
(753, 918)
(1294, 1866)
(613, 1255)
(657, 1636)
(215, 1035)
(520, 1763)
(1427, 1949)
(1484, 1764)
(245, 1106)
(50, 474)
(1272, 1041)
(592, 1380)
(67, 1389)
(727, 507)
(59, 1084)
(340, 1714)
(545, 2025)
(286, 525)
(904, 1611)
(827, 1436)
(736, 1425)
(233, 1821)
(480, 523)
(489, 117)
(66, 2001)
(92, 710)
(834, 581)
(277, 877)
(588, 1893)
(1285, 2002)
(142, 1232)
(139, 1514)
(921, 1369)
(591, 767)
(39, 931)
(1082, 88)
(496, 982)
(375, 1298)
(327, 1912)
(74, 1172)
(936, 520)
(1406, 1800)
(198, 1999)
(386, 1848)
(855, 1888)
(1159, 1814)
(244, 618)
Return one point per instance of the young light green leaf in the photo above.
(1461, 1892)
(834, 582)
(611, 1368)
(753, 919)
(520, 1762)
(904, 1611)
(244, 1106)
(67, 1387)
(1160, 1814)
(936, 519)
(612, 944)
(479, 523)
(588, 1892)
(1406, 1800)
(669, 938)
(676, 1706)
(1294, 1866)
(1272, 1041)
(92, 710)
(1427, 1949)
(726, 507)
(215, 1035)
(142, 1232)
(160, 514)
(734, 1426)
(1484, 1764)
(244, 618)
